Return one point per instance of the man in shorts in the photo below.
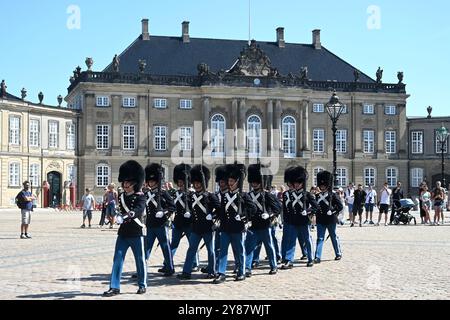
(359, 198)
(88, 205)
(25, 203)
(385, 201)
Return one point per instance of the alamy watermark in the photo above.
(74, 18)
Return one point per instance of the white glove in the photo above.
(119, 219)
(238, 218)
(304, 213)
(159, 214)
(265, 216)
(187, 215)
(209, 217)
(329, 213)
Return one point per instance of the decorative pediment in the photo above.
(253, 62)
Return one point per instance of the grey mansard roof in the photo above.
(170, 56)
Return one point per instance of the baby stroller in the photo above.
(402, 214)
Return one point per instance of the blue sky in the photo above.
(39, 52)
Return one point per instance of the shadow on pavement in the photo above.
(59, 295)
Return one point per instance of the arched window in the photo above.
(254, 136)
(218, 135)
(391, 176)
(289, 134)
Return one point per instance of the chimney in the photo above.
(145, 34)
(185, 31)
(280, 37)
(316, 39)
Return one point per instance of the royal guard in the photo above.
(202, 206)
(132, 229)
(298, 206)
(326, 217)
(236, 210)
(160, 207)
(268, 209)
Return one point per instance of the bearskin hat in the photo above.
(197, 173)
(296, 174)
(132, 171)
(154, 172)
(221, 173)
(182, 172)
(325, 178)
(258, 173)
(236, 171)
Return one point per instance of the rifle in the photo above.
(186, 189)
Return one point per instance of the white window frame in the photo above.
(101, 178)
(71, 173)
(102, 137)
(417, 142)
(344, 109)
(390, 138)
(71, 136)
(369, 141)
(316, 170)
(289, 136)
(102, 101)
(14, 174)
(368, 108)
(160, 138)
(129, 102)
(129, 137)
(438, 144)
(186, 138)
(390, 110)
(341, 140)
(218, 131)
(254, 127)
(53, 134)
(35, 133)
(417, 175)
(370, 176)
(318, 108)
(342, 176)
(319, 140)
(35, 174)
(160, 103)
(14, 130)
(185, 104)
(391, 178)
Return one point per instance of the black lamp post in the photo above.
(334, 109)
(442, 136)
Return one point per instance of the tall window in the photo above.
(368, 109)
(319, 140)
(71, 173)
(217, 136)
(341, 176)
(390, 110)
(318, 107)
(102, 175)
(369, 141)
(316, 171)
(102, 101)
(160, 142)
(14, 174)
(160, 103)
(438, 144)
(34, 133)
(71, 136)
(102, 137)
(341, 141)
(391, 141)
(129, 102)
(185, 104)
(417, 142)
(129, 137)
(35, 174)
(289, 133)
(14, 130)
(186, 138)
(369, 176)
(391, 176)
(53, 133)
(416, 177)
(254, 136)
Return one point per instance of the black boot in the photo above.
(111, 292)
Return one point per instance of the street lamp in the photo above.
(334, 109)
(442, 135)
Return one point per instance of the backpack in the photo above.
(20, 201)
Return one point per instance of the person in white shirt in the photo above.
(370, 203)
(385, 201)
(88, 204)
(349, 199)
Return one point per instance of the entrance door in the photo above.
(54, 180)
